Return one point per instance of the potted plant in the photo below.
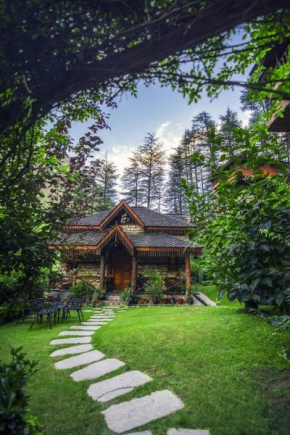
(154, 287)
(82, 290)
(143, 300)
(180, 301)
(165, 300)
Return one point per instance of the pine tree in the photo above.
(152, 165)
(229, 121)
(131, 182)
(106, 185)
(202, 125)
(175, 199)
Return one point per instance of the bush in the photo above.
(126, 296)
(154, 286)
(13, 400)
(95, 297)
(82, 289)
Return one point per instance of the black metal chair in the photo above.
(30, 308)
(74, 305)
(45, 308)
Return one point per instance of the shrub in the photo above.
(95, 297)
(82, 289)
(126, 296)
(13, 400)
(154, 286)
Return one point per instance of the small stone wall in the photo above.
(167, 267)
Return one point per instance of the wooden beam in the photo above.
(187, 274)
(134, 273)
(102, 272)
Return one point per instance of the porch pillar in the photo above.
(134, 273)
(102, 272)
(187, 274)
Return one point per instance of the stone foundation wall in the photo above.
(172, 267)
(89, 270)
(161, 265)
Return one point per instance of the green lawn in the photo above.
(226, 367)
(212, 292)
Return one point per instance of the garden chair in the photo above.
(30, 308)
(74, 305)
(45, 308)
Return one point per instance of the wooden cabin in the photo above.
(114, 250)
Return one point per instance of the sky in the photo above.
(158, 110)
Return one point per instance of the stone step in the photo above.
(94, 371)
(76, 340)
(137, 412)
(188, 432)
(79, 360)
(72, 350)
(85, 328)
(117, 386)
(77, 333)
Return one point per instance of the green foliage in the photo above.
(126, 296)
(13, 400)
(279, 323)
(243, 224)
(81, 289)
(154, 286)
(95, 297)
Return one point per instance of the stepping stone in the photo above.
(102, 319)
(94, 323)
(72, 350)
(79, 333)
(85, 328)
(77, 340)
(98, 319)
(188, 432)
(117, 386)
(146, 432)
(79, 360)
(88, 311)
(97, 370)
(136, 412)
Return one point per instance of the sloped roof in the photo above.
(152, 218)
(149, 218)
(93, 219)
(138, 240)
(157, 240)
(83, 238)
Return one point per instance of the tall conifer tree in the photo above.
(152, 165)
(131, 182)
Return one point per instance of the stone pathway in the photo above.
(71, 340)
(117, 386)
(72, 350)
(79, 360)
(79, 333)
(126, 415)
(187, 432)
(136, 412)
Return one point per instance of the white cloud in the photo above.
(170, 136)
(245, 116)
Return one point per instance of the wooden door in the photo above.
(122, 268)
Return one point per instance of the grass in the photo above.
(226, 367)
(212, 292)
